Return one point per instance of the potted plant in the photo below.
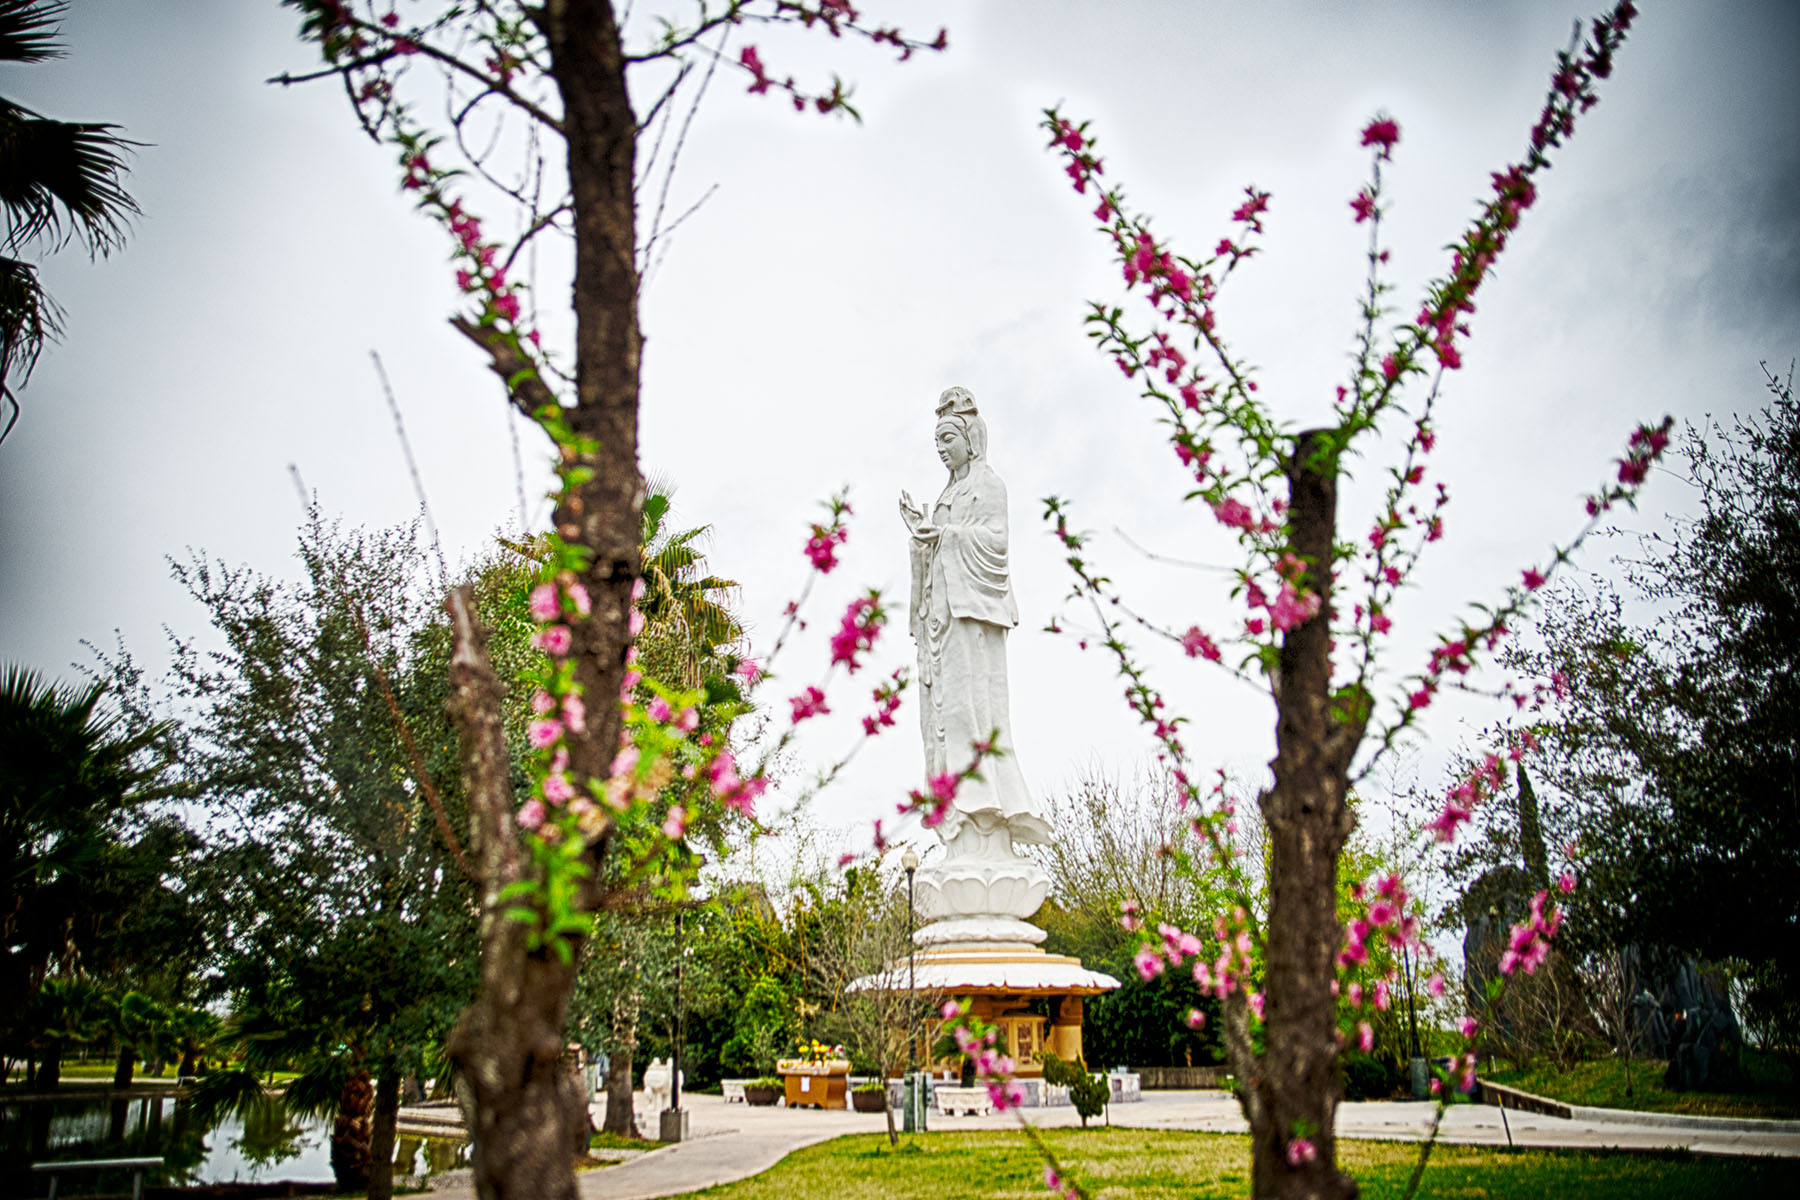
(869, 1096)
(763, 1091)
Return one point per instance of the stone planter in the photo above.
(867, 1102)
(762, 1097)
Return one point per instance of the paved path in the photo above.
(735, 1141)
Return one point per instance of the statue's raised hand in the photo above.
(913, 515)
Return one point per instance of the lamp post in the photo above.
(674, 1122)
(915, 1100)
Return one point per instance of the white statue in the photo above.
(658, 1085)
(962, 610)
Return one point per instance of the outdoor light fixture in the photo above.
(909, 862)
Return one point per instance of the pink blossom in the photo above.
(1467, 1027)
(1565, 882)
(574, 713)
(578, 595)
(1381, 995)
(821, 548)
(557, 788)
(1363, 206)
(542, 702)
(1382, 133)
(753, 63)
(688, 720)
(1533, 580)
(950, 1011)
(809, 703)
(1292, 607)
(1256, 1004)
(634, 624)
(748, 671)
(1195, 1019)
(674, 825)
(742, 799)
(1128, 915)
(625, 762)
(543, 733)
(1149, 963)
(857, 632)
(658, 710)
(554, 640)
(1435, 985)
(1198, 645)
(531, 814)
(1234, 512)
(1365, 1036)
(1301, 1151)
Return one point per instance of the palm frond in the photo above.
(61, 179)
(315, 1091)
(28, 318)
(228, 1089)
(26, 29)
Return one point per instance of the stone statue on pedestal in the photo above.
(962, 610)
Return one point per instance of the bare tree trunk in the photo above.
(1308, 820)
(528, 1118)
(381, 1135)
(621, 1117)
(122, 1070)
(508, 1046)
(49, 1070)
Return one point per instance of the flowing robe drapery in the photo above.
(962, 609)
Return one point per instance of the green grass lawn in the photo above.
(1601, 1083)
(1158, 1165)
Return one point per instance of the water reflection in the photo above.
(268, 1145)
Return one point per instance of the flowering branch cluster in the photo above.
(1226, 440)
(836, 17)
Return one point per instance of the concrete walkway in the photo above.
(735, 1141)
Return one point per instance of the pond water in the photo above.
(269, 1146)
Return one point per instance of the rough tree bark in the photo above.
(381, 1135)
(350, 1134)
(1309, 820)
(528, 1119)
(525, 1119)
(621, 1118)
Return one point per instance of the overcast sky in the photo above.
(807, 316)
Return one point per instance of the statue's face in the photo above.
(953, 447)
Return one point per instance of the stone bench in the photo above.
(964, 1101)
(137, 1167)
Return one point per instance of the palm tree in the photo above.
(69, 774)
(58, 180)
(686, 619)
